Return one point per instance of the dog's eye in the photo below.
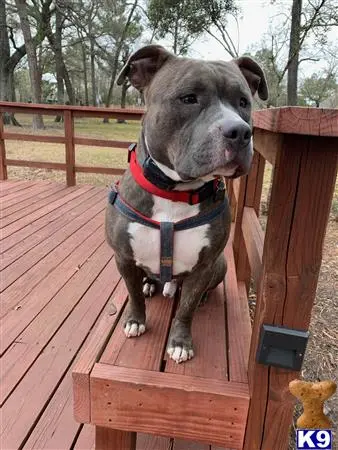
(243, 103)
(189, 99)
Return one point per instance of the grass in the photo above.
(322, 352)
(85, 155)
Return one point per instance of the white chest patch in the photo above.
(145, 241)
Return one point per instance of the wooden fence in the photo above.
(70, 140)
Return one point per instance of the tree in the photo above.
(274, 76)
(314, 18)
(294, 48)
(34, 74)
(318, 88)
(182, 21)
(126, 30)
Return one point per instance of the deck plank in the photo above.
(56, 427)
(65, 312)
(9, 187)
(20, 316)
(56, 200)
(239, 327)
(30, 203)
(32, 340)
(86, 438)
(146, 351)
(44, 252)
(209, 336)
(92, 352)
(16, 293)
(35, 390)
(28, 197)
(51, 228)
(31, 228)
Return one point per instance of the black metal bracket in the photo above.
(282, 347)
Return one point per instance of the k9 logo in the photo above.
(314, 439)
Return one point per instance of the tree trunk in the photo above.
(6, 72)
(4, 53)
(55, 42)
(292, 96)
(92, 69)
(85, 75)
(117, 55)
(125, 87)
(32, 60)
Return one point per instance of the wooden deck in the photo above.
(60, 289)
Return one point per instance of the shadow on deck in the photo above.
(61, 295)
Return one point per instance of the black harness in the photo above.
(167, 229)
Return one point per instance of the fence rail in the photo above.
(70, 140)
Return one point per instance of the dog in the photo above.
(169, 220)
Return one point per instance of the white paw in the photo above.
(134, 329)
(170, 288)
(180, 354)
(148, 288)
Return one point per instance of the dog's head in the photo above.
(198, 119)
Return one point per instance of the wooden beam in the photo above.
(267, 144)
(3, 167)
(92, 352)
(108, 439)
(169, 404)
(70, 148)
(78, 111)
(316, 184)
(34, 138)
(101, 170)
(254, 241)
(101, 143)
(304, 178)
(298, 120)
(35, 164)
(238, 322)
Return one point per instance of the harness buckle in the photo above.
(220, 191)
(191, 198)
(112, 195)
(131, 149)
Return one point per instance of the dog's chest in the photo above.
(145, 241)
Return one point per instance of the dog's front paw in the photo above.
(133, 328)
(149, 287)
(170, 288)
(180, 351)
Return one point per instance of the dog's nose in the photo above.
(238, 134)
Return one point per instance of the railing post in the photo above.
(70, 148)
(302, 190)
(250, 191)
(3, 166)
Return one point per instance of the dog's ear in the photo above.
(254, 75)
(142, 65)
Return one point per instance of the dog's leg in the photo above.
(136, 313)
(180, 346)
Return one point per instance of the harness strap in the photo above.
(166, 229)
(167, 251)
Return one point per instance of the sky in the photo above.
(253, 23)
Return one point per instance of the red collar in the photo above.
(192, 197)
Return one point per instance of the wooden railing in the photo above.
(302, 145)
(70, 140)
(284, 263)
